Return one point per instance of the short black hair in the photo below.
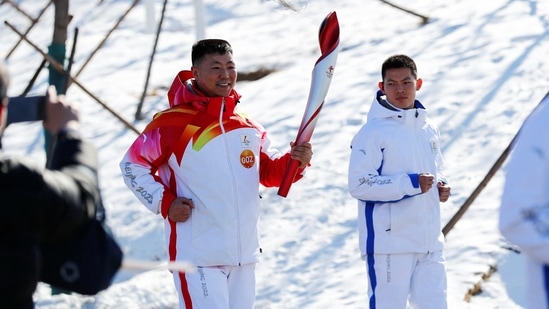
(207, 47)
(4, 81)
(397, 62)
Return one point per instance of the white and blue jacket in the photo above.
(524, 211)
(387, 156)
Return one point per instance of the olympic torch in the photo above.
(320, 83)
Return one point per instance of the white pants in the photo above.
(399, 281)
(217, 287)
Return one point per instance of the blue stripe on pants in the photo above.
(370, 250)
(546, 282)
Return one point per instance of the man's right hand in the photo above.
(180, 209)
(426, 182)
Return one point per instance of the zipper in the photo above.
(235, 200)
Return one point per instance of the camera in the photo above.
(22, 109)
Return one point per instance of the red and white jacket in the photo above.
(201, 148)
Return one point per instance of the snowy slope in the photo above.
(484, 66)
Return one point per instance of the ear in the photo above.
(380, 86)
(419, 82)
(194, 69)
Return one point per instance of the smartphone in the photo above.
(22, 109)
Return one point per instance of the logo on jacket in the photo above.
(245, 141)
(247, 158)
(434, 146)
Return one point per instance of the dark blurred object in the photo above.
(22, 109)
(86, 263)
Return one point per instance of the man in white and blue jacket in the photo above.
(395, 173)
(524, 211)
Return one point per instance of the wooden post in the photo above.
(39, 69)
(33, 20)
(15, 6)
(57, 49)
(478, 189)
(484, 182)
(424, 19)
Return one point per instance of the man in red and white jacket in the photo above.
(199, 164)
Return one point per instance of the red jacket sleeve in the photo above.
(271, 171)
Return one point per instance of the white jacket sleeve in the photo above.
(365, 182)
(524, 212)
(439, 161)
(138, 170)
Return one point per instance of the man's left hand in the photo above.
(443, 191)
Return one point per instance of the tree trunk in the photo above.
(57, 49)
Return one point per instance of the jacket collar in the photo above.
(184, 92)
(381, 108)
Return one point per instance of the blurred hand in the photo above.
(180, 209)
(443, 191)
(302, 153)
(60, 114)
(426, 182)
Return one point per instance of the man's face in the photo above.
(215, 75)
(400, 87)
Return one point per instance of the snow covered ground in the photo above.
(484, 66)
